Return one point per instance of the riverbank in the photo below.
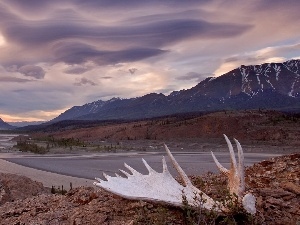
(48, 179)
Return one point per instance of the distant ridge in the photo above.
(25, 123)
(273, 86)
(5, 126)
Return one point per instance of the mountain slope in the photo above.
(283, 78)
(270, 86)
(5, 126)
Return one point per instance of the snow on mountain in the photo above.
(281, 77)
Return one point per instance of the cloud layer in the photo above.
(57, 54)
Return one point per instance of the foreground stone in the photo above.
(13, 187)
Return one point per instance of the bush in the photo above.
(25, 146)
(234, 214)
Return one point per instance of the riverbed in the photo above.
(52, 169)
(6, 141)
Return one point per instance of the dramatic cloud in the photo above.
(265, 55)
(84, 81)
(194, 76)
(13, 79)
(50, 49)
(77, 53)
(105, 45)
(132, 70)
(148, 34)
(76, 70)
(106, 78)
(32, 71)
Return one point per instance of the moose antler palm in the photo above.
(162, 187)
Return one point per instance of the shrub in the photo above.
(25, 146)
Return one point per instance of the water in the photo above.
(6, 140)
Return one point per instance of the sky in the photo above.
(55, 54)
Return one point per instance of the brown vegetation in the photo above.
(249, 127)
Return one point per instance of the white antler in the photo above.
(162, 187)
(236, 176)
(158, 187)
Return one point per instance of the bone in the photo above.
(133, 171)
(182, 174)
(149, 168)
(241, 168)
(125, 173)
(235, 175)
(162, 187)
(220, 167)
(232, 156)
(165, 166)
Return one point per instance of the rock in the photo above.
(277, 193)
(275, 201)
(259, 201)
(13, 187)
(289, 186)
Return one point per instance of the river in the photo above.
(90, 165)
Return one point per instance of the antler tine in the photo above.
(107, 177)
(125, 173)
(165, 167)
(98, 179)
(232, 156)
(133, 171)
(235, 175)
(182, 174)
(149, 168)
(241, 166)
(221, 168)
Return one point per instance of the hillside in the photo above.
(251, 127)
(267, 86)
(5, 126)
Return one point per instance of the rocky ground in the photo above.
(13, 188)
(274, 182)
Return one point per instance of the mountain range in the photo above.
(267, 86)
(25, 123)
